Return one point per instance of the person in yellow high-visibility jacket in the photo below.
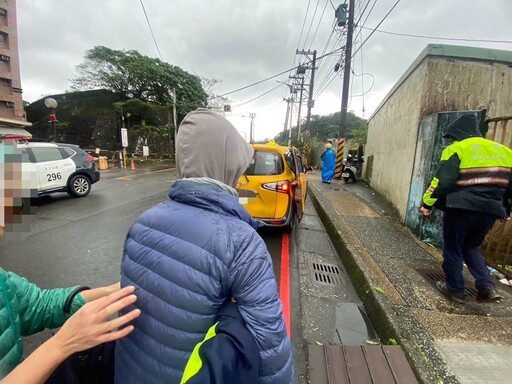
(473, 187)
(228, 353)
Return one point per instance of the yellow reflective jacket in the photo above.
(474, 174)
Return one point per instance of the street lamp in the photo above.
(52, 104)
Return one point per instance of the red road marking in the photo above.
(284, 284)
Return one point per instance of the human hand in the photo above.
(91, 326)
(425, 212)
(96, 293)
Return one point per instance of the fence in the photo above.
(498, 245)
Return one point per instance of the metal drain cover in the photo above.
(325, 274)
(434, 275)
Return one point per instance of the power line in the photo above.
(318, 26)
(151, 29)
(302, 30)
(441, 38)
(274, 76)
(373, 31)
(257, 97)
(367, 16)
(311, 24)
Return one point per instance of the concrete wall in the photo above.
(392, 135)
(458, 85)
(437, 84)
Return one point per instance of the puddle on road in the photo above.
(353, 326)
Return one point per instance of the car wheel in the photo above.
(79, 186)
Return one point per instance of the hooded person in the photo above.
(473, 186)
(190, 255)
(328, 163)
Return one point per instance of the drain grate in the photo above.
(433, 275)
(325, 274)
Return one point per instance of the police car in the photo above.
(60, 168)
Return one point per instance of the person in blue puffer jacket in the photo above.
(191, 254)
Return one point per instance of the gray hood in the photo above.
(208, 145)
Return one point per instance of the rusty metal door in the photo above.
(498, 244)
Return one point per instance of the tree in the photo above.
(215, 101)
(141, 77)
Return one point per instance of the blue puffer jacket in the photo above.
(186, 257)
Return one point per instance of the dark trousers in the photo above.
(463, 232)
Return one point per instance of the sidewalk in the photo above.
(394, 275)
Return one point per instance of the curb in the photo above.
(383, 316)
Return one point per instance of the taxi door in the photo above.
(301, 188)
(53, 171)
(253, 186)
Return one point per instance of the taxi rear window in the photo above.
(265, 163)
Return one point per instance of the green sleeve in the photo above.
(40, 308)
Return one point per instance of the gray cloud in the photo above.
(241, 42)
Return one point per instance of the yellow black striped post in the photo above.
(305, 153)
(339, 158)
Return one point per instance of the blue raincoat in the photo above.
(328, 165)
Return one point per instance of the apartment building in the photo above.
(12, 113)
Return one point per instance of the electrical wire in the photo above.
(319, 22)
(257, 97)
(151, 29)
(374, 29)
(371, 87)
(302, 30)
(311, 24)
(367, 16)
(276, 75)
(441, 38)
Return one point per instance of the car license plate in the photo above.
(345, 174)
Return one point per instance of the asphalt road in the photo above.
(79, 241)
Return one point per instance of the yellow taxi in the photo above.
(274, 186)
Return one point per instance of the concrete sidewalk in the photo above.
(394, 275)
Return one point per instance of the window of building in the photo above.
(4, 37)
(9, 105)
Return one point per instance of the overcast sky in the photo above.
(241, 42)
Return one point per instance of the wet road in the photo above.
(79, 241)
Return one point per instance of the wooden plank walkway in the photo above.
(365, 364)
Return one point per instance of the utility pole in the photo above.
(290, 110)
(287, 114)
(346, 81)
(311, 102)
(174, 119)
(251, 132)
(300, 105)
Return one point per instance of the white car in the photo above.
(59, 168)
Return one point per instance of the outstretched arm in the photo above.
(87, 328)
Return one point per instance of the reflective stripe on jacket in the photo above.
(186, 257)
(228, 353)
(474, 174)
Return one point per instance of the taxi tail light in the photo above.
(279, 186)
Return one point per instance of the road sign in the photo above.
(124, 137)
(145, 150)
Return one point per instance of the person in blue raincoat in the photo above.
(328, 163)
(190, 255)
